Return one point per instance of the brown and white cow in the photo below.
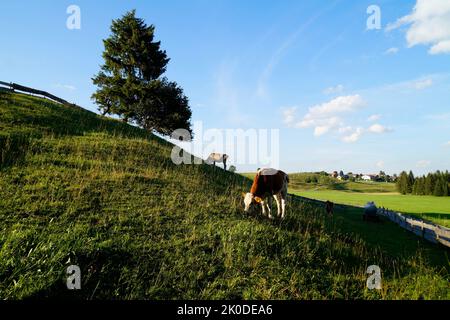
(268, 183)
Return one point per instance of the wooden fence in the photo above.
(17, 87)
(425, 229)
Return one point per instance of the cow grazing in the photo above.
(329, 207)
(218, 157)
(268, 183)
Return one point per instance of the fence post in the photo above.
(423, 228)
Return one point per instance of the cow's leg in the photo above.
(268, 204)
(278, 200)
(283, 207)
(225, 164)
(263, 206)
(283, 202)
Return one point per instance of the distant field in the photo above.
(384, 194)
(358, 187)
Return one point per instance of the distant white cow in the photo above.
(218, 157)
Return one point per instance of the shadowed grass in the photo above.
(436, 209)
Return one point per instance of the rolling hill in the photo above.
(80, 189)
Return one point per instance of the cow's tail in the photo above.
(287, 178)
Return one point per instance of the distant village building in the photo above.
(339, 175)
(368, 177)
(343, 177)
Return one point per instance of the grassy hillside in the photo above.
(77, 188)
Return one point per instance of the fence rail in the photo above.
(17, 87)
(427, 230)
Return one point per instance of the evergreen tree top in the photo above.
(131, 52)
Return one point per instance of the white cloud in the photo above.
(441, 47)
(289, 115)
(414, 84)
(423, 163)
(354, 136)
(374, 117)
(321, 130)
(321, 125)
(334, 90)
(439, 117)
(428, 24)
(422, 84)
(378, 129)
(380, 164)
(326, 116)
(391, 51)
(337, 105)
(447, 144)
(329, 117)
(345, 129)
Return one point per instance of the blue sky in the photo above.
(342, 96)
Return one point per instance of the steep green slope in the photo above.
(77, 188)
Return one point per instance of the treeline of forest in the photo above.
(433, 184)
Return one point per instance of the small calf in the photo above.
(329, 207)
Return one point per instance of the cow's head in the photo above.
(250, 201)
